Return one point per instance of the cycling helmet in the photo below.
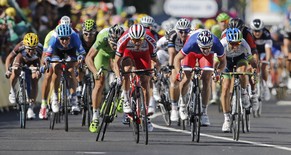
(196, 24)
(147, 21)
(64, 30)
(182, 24)
(11, 12)
(205, 39)
(233, 35)
(236, 23)
(116, 31)
(136, 31)
(222, 17)
(89, 25)
(65, 20)
(257, 24)
(30, 40)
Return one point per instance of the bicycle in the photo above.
(260, 88)
(23, 93)
(164, 104)
(138, 117)
(63, 96)
(195, 101)
(85, 98)
(238, 112)
(109, 107)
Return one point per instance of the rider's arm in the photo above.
(177, 61)
(12, 55)
(90, 60)
(171, 46)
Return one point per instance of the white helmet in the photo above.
(182, 24)
(257, 24)
(147, 21)
(136, 31)
(65, 20)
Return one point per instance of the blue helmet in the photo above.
(233, 35)
(205, 38)
(64, 30)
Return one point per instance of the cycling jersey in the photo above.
(105, 53)
(141, 56)
(249, 38)
(243, 48)
(193, 52)
(20, 48)
(264, 41)
(162, 53)
(86, 47)
(175, 41)
(55, 48)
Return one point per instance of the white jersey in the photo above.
(162, 43)
(162, 53)
(243, 48)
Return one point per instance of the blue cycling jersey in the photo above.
(191, 45)
(75, 43)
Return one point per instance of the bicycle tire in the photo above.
(247, 120)
(236, 116)
(52, 120)
(134, 121)
(65, 104)
(106, 115)
(23, 104)
(89, 104)
(198, 117)
(143, 116)
(165, 114)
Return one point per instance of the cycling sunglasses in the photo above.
(89, 33)
(137, 40)
(186, 31)
(64, 38)
(257, 31)
(234, 43)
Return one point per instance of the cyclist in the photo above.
(238, 53)
(249, 38)
(48, 75)
(101, 55)
(148, 23)
(201, 46)
(287, 47)
(65, 46)
(88, 37)
(140, 47)
(223, 20)
(264, 44)
(28, 52)
(176, 40)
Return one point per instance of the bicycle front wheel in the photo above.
(236, 117)
(143, 116)
(65, 103)
(196, 124)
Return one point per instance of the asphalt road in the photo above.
(270, 134)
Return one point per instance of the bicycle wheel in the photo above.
(134, 119)
(52, 120)
(165, 114)
(106, 114)
(236, 117)
(89, 103)
(197, 118)
(23, 104)
(65, 103)
(247, 119)
(143, 115)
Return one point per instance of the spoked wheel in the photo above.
(235, 126)
(84, 115)
(143, 116)
(52, 120)
(196, 120)
(105, 110)
(166, 114)
(23, 115)
(134, 123)
(64, 104)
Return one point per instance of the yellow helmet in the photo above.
(11, 12)
(209, 23)
(3, 3)
(30, 40)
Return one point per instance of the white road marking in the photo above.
(284, 103)
(223, 138)
(90, 152)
